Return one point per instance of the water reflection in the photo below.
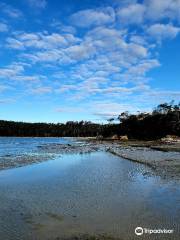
(88, 193)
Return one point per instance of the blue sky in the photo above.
(91, 60)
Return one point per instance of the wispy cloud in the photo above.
(41, 90)
(40, 4)
(3, 88)
(10, 11)
(69, 109)
(105, 110)
(6, 100)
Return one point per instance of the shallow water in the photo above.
(95, 193)
(14, 146)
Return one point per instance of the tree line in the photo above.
(163, 120)
(68, 129)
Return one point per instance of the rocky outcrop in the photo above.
(170, 139)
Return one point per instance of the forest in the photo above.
(163, 120)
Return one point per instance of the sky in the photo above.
(63, 60)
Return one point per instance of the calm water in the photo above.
(94, 193)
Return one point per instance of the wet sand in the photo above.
(164, 159)
(164, 164)
(96, 195)
(82, 190)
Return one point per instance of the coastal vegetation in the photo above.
(163, 120)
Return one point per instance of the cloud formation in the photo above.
(101, 54)
(93, 17)
(163, 31)
(149, 10)
(132, 14)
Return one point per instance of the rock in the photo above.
(115, 137)
(171, 139)
(123, 138)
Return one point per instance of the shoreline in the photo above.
(85, 191)
(162, 158)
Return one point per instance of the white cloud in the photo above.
(163, 31)
(161, 9)
(80, 52)
(66, 88)
(99, 64)
(11, 71)
(164, 94)
(149, 10)
(91, 17)
(16, 72)
(107, 60)
(137, 50)
(25, 78)
(56, 24)
(14, 43)
(132, 14)
(28, 36)
(67, 29)
(139, 40)
(42, 56)
(3, 27)
(143, 67)
(41, 40)
(112, 41)
(42, 90)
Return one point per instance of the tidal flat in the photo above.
(66, 188)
